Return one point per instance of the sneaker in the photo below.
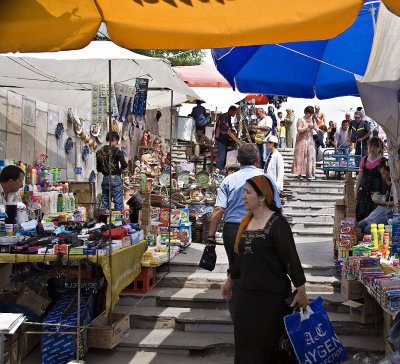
(312, 177)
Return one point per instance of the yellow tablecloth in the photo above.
(126, 266)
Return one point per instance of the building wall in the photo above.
(27, 129)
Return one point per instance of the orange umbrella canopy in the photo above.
(49, 25)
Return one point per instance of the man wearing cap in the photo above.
(360, 132)
(274, 165)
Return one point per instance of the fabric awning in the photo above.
(48, 25)
(66, 77)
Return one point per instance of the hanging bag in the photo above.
(208, 258)
(312, 336)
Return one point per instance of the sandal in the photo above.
(300, 178)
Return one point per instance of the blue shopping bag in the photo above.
(313, 337)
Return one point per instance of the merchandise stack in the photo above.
(349, 199)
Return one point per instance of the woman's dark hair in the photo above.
(384, 163)
(309, 109)
(10, 172)
(323, 128)
(376, 142)
(112, 135)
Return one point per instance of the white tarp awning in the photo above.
(379, 88)
(66, 77)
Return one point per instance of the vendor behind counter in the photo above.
(11, 181)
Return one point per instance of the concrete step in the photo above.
(298, 217)
(317, 183)
(311, 201)
(318, 193)
(367, 344)
(201, 320)
(202, 279)
(178, 297)
(320, 225)
(304, 209)
(312, 189)
(185, 343)
(314, 233)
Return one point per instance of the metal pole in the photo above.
(78, 323)
(109, 189)
(371, 10)
(170, 181)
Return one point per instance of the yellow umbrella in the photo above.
(48, 25)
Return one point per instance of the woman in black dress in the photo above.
(266, 255)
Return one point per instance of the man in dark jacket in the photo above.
(118, 165)
(221, 137)
(360, 132)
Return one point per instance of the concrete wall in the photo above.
(27, 129)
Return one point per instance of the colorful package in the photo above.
(175, 217)
(185, 216)
(155, 215)
(186, 233)
(164, 215)
(345, 241)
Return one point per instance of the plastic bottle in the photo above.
(381, 231)
(374, 238)
(59, 202)
(386, 240)
(72, 201)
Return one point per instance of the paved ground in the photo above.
(141, 357)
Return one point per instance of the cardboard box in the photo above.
(365, 310)
(101, 335)
(351, 290)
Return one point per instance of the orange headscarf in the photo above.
(263, 186)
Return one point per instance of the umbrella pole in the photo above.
(371, 10)
(170, 181)
(109, 191)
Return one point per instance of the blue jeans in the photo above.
(261, 154)
(282, 142)
(117, 193)
(229, 236)
(221, 155)
(380, 215)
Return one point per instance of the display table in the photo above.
(126, 266)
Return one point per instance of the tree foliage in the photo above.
(177, 57)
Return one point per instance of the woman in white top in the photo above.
(274, 165)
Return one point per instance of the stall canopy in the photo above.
(66, 77)
(323, 68)
(204, 75)
(48, 25)
(380, 86)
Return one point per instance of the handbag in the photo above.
(259, 138)
(208, 258)
(312, 336)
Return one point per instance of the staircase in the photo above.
(184, 319)
(312, 208)
(186, 315)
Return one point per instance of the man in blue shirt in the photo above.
(198, 113)
(229, 204)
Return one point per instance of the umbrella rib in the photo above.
(315, 59)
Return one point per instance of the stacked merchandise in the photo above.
(145, 213)
(350, 202)
(181, 232)
(347, 237)
(61, 348)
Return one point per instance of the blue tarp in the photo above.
(273, 69)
